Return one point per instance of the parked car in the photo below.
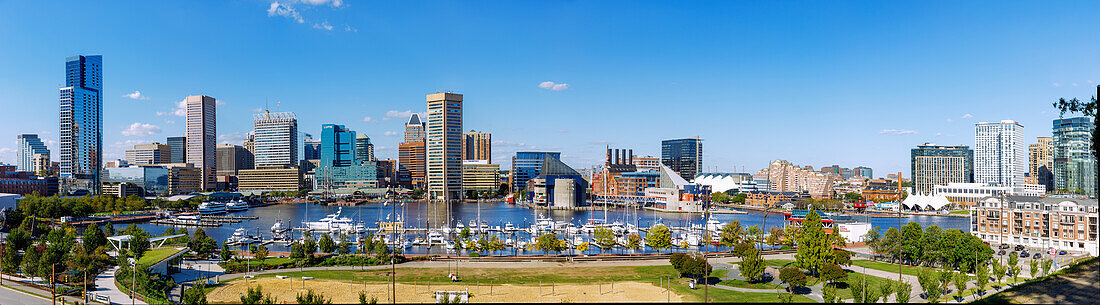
(1063, 252)
(1019, 247)
(1003, 246)
(1024, 254)
(1002, 252)
(1036, 256)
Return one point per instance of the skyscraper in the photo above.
(684, 156)
(1000, 155)
(201, 137)
(276, 138)
(527, 165)
(1040, 158)
(414, 129)
(178, 145)
(81, 120)
(477, 146)
(1074, 164)
(29, 146)
(445, 146)
(232, 158)
(146, 154)
(933, 165)
(364, 150)
(312, 148)
(339, 163)
(412, 160)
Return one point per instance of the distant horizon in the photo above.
(815, 84)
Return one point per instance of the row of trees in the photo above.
(56, 207)
(931, 246)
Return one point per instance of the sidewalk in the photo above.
(105, 285)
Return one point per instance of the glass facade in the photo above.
(338, 159)
(1074, 164)
(81, 118)
(683, 156)
(178, 145)
(933, 165)
(29, 145)
(527, 165)
(153, 179)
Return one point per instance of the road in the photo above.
(11, 296)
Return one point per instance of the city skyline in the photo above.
(140, 99)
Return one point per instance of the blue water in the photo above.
(417, 215)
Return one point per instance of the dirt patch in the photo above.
(343, 292)
(1078, 287)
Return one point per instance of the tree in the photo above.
(960, 283)
(549, 242)
(1014, 267)
(139, 243)
(852, 197)
(872, 239)
(342, 245)
(604, 238)
(930, 282)
(326, 243)
(740, 249)
(227, 253)
(813, 245)
(256, 296)
(93, 238)
(833, 273)
(755, 234)
(1034, 268)
(981, 277)
(889, 244)
(195, 295)
(945, 278)
(885, 289)
(858, 289)
(794, 277)
(464, 234)
(309, 246)
(902, 292)
(677, 260)
(1046, 266)
(312, 298)
(752, 265)
(911, 234)
(696, 266)
(841, 257)
(261, 252)
(659, 237)
(829, 294)
(634, 241)
(583, 247)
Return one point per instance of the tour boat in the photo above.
(237, 206)
(211, 207)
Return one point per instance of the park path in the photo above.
(105, 285)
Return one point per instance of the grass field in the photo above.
(571, 284)
(155, 255)
(907, 270)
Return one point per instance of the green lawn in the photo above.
(907, 270)
(988, 287)
(779, 262)
(872, 283)
(960, 212)
(155, 255)
(744, 284)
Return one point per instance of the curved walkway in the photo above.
(105, 285)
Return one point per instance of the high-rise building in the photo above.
(786, 177)
(1000, 154)
(1074, 164)
(312, 148)
(863, 171)
(339, 165)
(527, 165)
(145, 154)
(276, 137)
(480, 176)
(411, 157)
(81, 120)
(29, 146)
(201, 137)
(233, 158)
(250, 143)
(387, 172)
(477, 145)
(178, 146)
(647, 164)
(683, 156)
(41, 164)
(444, 146)
(414, 130)
(364, 150)
(933, 165)
(1040, 158)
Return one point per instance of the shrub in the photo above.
(793, 277)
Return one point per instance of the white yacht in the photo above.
(211, 208)
(333, 222)
(237, 206)
(509, 227)
(435, 237)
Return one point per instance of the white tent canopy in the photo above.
(926, 203)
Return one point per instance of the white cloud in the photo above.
(257, 110)
(950, 120)
(334, 3)
(1075, 84)
(939, 134)
(368, 119)
(140, 130)
(967, 116)
(553, 86)
(6, 150)
(323, 26)
(897, 132)
(128, 143)
(161, 113)
(1057, 85)
(219, 102)
(181, 108)
(404, 115)
(348, 28)
(166, 121)
(389, 133)
(563, 131)
(279, 9)
(235, 138)
(136, 96)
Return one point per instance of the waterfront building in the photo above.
(411, 156)
(269, 178)
(444, 146)
(1043, 222)
(527, 165)
(933, 165)
(1000, 155)
(881, 190)
(968, 194)
(13, 181)
(232, 158)
(676, 194)
(558, 185)
(1040, 161)
(202, 137)
(364, 150)
(311, 149)
(145, 154)
(605, 181)
(276, 138)
(480, 176)
(647, 164)
(151, 180)
(415, 129)
(178, 146)
(786, 177)
(767, 198)
(387, 172)
(340, 163)
(477, 145)
(121, 190)
(183, 178)
(81, 122)
(684, 156)
(29, 145)
(723, 182)
(864, 172)
(1074, 164)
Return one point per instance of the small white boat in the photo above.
(509, 227)
(435, 237)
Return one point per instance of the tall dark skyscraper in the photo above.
(81, 118)
(683, 156)
(178, 145)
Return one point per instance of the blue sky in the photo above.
(814, 82)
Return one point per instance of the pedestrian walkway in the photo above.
(105, 286)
